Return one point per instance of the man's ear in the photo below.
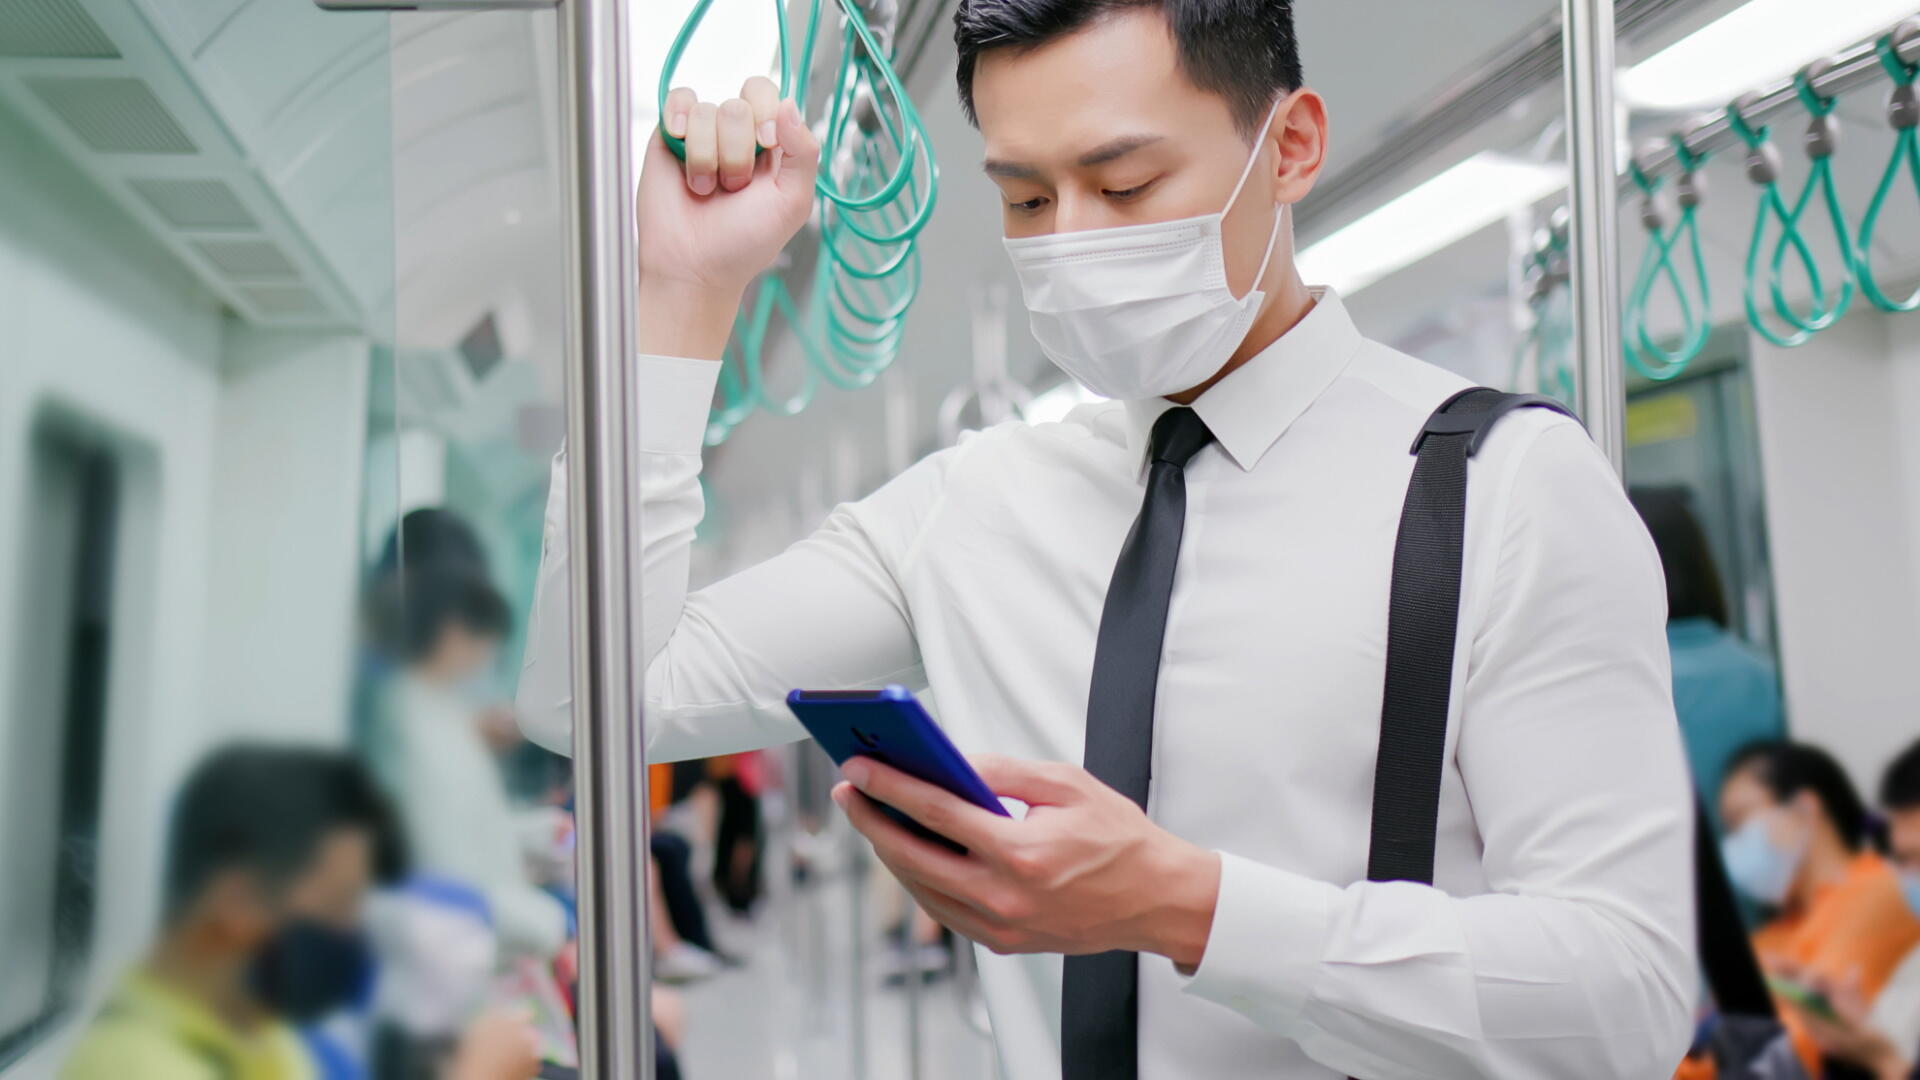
(233, 911)
(1298, 132)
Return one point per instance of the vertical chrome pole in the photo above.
(609, 741)
(914, 991)
(1588, 41)
(857, 870)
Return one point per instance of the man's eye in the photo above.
(1127, 193)
(1031, 205)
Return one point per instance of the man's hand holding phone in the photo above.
(1084, 872)
(709, 224)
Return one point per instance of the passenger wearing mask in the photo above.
(1725, 692)
(1797, 845)
(1194, 578)
(434, 758)
(1882, 1036)
(270, 853)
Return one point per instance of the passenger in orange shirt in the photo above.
(1797, 844)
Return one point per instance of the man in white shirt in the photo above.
(1262, 447)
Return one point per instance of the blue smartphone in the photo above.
(890, 727)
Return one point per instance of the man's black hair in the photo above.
(1900, 787)
(1693, 579)
(266, 809)
(1787, 768)
(1243, 50)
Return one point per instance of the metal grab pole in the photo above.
(603, 529)
(1594, 189)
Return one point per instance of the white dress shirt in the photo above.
(1558, 939)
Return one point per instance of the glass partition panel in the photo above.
(213, 865)
(476, 419)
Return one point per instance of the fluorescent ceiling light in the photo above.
(737, 40)
(1056, 403)
(1461, 201)
(1756, 43)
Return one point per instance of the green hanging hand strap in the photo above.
(1903, 112)
(1763, 168)
(1822, 139)
(1643, 353)
(875, 193)
(679, 47)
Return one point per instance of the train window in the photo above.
(53, 729)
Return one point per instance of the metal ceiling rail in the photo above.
(1529, 61)
(1850, 70)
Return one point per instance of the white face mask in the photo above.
(1140, 311)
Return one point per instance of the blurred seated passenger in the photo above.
(741, 779)
(434, 757)
(270, 852)
(1883, 1039)
(683, 948)
(1725, 692)
(1797, 845)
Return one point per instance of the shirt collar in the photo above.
(1253, 406)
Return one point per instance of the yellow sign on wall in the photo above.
(1662, 418)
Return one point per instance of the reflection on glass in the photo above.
(261, 814)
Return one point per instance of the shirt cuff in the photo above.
(1270, 927)
(676, 394)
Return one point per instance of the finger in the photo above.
(909, 856)
(954, 915)
(680, 102)
(764, 98)
(800, 151)
(736, 144)
(938, 809)
(1036, 783)
(703, 155)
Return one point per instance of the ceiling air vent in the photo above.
(195, 204)
(113, 116)
(283, 301)
(247, 259)
(51, 29)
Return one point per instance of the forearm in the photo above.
(1402, 980)
(675, 318)
(674, 398)
(1890, 1064)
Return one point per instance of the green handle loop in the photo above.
(1763, 162)
(1826, 308)
(674, 142)
(1825, 311)
(1906, 151)
(875, 192)
(1643, 353)
(1809, 97)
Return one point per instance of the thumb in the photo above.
(799, 151)
(1036, 783)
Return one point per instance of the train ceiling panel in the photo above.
(51, 29)
(274, 195)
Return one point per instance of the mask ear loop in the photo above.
(1279, 213)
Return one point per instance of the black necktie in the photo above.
(1100, 994)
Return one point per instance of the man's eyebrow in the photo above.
(1099, 155)
(1012, 170)
(1107, 151)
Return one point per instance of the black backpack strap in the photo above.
(1422, 618)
